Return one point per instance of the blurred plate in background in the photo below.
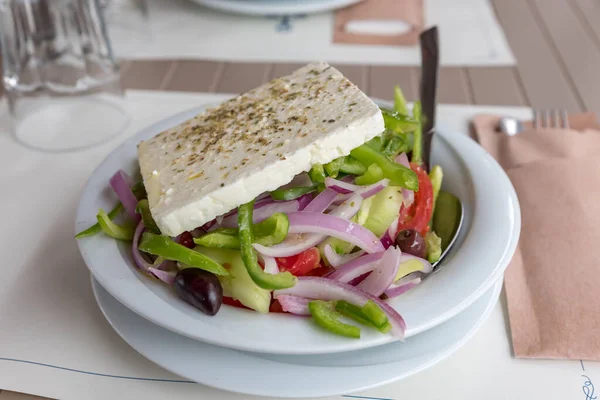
(275, 7)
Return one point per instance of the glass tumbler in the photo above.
(59, 74)
(128, 25)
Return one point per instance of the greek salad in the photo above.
(332, 245)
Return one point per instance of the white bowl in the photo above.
(327, 374)
(480, 256)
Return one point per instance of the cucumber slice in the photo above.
(238, 285)
(384, 208)
(376, 214)
(446, 217)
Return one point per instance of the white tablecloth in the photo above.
(470, 35)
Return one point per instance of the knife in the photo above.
(429, 76)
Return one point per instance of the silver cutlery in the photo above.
(510, 126)
(429, 41)
(558, 119)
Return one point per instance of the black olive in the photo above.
(199, 288)
(411, 242)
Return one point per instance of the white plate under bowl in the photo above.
(480, 256)
(277, 375)
(275, 7)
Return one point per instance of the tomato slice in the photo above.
(276, 307)
(301, 264)
(234, 303)
(419, 214)
(321, 270)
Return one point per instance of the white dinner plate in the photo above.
(277, 375)
(479, 257)
(276, 7)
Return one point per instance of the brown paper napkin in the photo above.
(409, 11)
(552, 281)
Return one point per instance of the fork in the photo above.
(550, 119)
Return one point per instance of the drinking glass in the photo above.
(59, 74)
(128, 25)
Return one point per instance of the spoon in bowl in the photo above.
(448, 214)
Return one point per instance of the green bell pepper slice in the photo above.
(399, 101)
(326, 317)
(262, 279)
(218, 240)
(269, 232)
(317, 173)
(376, 143)
(395, 145)
(96, 228)
(143, 208)
(355, 313)
(373, 174)
(163, 246)
(292, 194)
(398, 123)
(352, 166)
(398, 174)
(418, 135)
(375, 314)
(352, 311)
(120, 232)
(333, 168)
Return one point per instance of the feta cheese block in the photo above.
(253, 143)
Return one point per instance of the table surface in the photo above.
(556, 44)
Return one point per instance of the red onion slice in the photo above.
(427, 267)
(121, 184)
(296, 244)
(345, 188)
(326, 224)
(304, 201)
(348, 208)
(140, 260)
(384, 273)
(291, 246)
(402, 159)
(167, 277)
(262, 212)
(403, 285)
(356, 268)
(328, 289)
(392, 231)
(386, 240)
(335, 259)
(294, 304)
(271, 266)
(340, 186)
(322, 201)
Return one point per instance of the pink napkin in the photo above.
(552, 280)
(407, 11)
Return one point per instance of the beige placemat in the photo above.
(550, 284)
(410, 12)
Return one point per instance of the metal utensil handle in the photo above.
(429, 41)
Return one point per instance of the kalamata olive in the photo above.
(411, 242)
(200, 289)
(186, 239)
